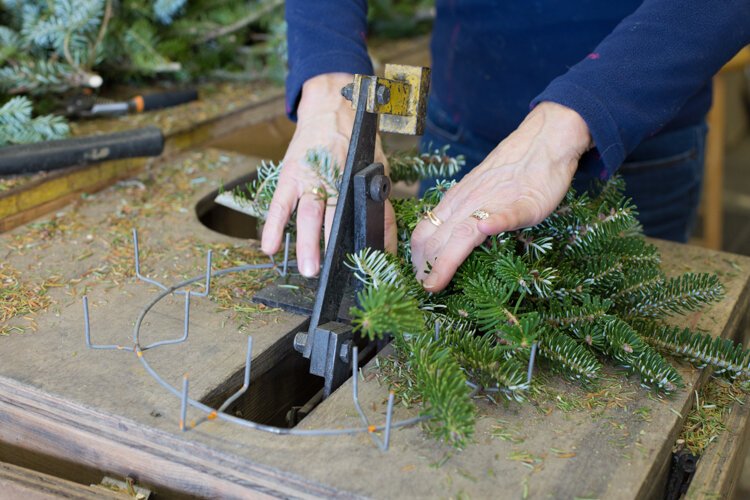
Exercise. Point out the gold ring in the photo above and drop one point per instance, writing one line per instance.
(480, 214)
(318, 192)
(434, 219)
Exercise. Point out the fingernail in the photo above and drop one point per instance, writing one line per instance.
(307, 268)
(431, 280)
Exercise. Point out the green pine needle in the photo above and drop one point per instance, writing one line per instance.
(386, 310)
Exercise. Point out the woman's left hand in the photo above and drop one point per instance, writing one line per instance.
(519, 184)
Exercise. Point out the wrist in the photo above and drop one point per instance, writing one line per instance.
(567, 130)
(323, 92)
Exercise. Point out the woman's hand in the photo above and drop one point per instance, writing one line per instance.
(325, 120)
(519, 184)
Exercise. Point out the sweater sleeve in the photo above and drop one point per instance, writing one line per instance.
(639, 77)
(324, 36)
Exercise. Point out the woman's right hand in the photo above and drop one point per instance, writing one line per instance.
(325, 120)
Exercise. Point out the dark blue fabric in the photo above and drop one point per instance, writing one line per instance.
(631, 68)
(663, 175)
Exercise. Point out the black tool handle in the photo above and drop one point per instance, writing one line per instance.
(164, 99)
(51, 155)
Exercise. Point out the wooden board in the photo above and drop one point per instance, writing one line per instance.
(17, 482)
(720, 468)
(79, 410)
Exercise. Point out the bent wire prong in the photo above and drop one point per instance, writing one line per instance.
(185, 329)
(383, 445)
(246, 380)
(532, 357)
(87, 331)
(138, 274)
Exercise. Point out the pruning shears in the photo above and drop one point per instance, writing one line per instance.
(89, 105)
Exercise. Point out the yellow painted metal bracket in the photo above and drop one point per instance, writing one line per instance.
(400, 98)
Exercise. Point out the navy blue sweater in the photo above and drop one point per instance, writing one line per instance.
(630, 68)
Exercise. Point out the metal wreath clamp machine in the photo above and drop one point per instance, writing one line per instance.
(396, 103)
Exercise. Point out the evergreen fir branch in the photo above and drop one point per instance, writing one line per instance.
(435, 194)
(514, 272)
(636, 283)
(386, 310)
(490, 305)
(140, 41)
(487, 366)
(326, 168)
(447, 327)
(375, 268)
(677, 295)
(18, 127)
(10, 44)
(257, 195)
(166, 10)
(410, 167)
(568, 357)
(655, 371)
(727, 358)
(605, 271)
(565, 313)
(633, 250)
(589, 237)
(610, 194)
(522, 334)
(446, 395)
(572, 283)
(590, 334)
(534, 246)
(36, 77)
(624, 345)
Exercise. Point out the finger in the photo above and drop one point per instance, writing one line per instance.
(279, 212)
(309, 224)
(464, 238)
(425, 239)
(523, 212)
(390, 229)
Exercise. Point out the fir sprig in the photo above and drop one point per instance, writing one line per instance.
(17, 126)
(411, 167)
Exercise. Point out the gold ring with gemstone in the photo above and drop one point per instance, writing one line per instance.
(480, 214)
(434, 219)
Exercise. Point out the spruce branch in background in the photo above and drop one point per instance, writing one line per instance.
(18, 127)
(50, 46)
(54, 47)
(584, 285)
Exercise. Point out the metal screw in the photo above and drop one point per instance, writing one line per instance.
(300, 341)
(380, 187)
(383, 94)
(348, 91)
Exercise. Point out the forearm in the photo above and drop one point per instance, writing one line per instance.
(324, 37)
(638, 78)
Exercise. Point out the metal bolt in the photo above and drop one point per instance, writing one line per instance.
(300, 341)
(380, 187)
(348, 92)
(383, 94)
(345, 351)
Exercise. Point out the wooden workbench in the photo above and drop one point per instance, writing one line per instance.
(79, 413)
